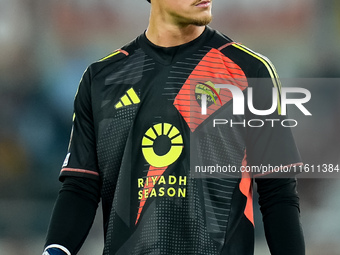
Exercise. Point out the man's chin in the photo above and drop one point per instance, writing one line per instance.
(201, 22)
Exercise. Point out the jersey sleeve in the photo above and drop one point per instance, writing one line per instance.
(270, 143)
(81, 158)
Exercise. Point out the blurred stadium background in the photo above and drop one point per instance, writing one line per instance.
(45, 45)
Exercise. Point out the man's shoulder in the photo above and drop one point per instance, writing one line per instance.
(236, 50)
(247, 59)
(113, 58)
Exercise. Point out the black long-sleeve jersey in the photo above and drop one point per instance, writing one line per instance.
(140, 132)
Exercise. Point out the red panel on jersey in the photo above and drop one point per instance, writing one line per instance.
(214, 68)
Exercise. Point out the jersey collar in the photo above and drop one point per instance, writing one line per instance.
(169, 55)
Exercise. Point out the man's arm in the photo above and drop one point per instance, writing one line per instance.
(73, 214)
(273, 145)
(279, 203)
(78, 198)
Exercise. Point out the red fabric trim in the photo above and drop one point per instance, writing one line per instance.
(79, 171)
(226, 45)
(246, 188)
(124, 52)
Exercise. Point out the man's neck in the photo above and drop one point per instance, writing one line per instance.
(169, 35)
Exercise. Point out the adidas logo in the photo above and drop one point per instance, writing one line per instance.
(129, 98)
